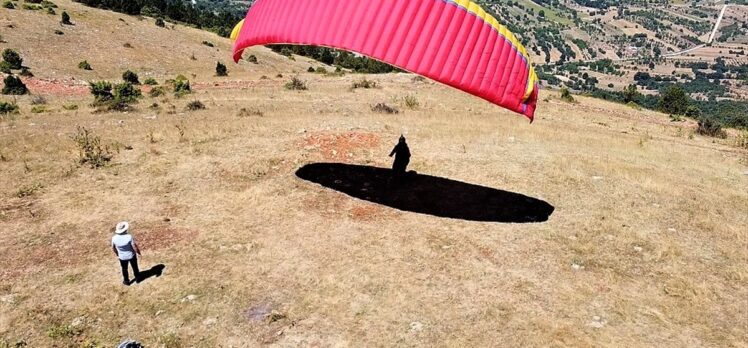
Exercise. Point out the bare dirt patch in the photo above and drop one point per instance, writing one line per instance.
(340, 147)
(61, 87)
(163, 236)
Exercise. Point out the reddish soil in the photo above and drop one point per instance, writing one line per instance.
(69, 87)
(340, 147)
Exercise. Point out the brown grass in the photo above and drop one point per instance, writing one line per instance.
(646, 246)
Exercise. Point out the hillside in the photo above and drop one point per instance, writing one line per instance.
(112, 43)
(599, 225)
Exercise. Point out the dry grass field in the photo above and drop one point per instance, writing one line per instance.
(646, 244)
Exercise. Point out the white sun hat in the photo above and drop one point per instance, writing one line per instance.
(122, 227)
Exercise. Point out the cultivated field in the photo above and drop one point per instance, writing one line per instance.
(645, 244)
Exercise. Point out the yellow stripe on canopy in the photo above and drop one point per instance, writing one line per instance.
(237, 29)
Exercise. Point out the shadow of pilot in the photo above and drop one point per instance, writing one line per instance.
(402, 159)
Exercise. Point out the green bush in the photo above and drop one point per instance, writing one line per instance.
(90, 150)
(14, 86)
(126, 93)
(65, 19)
(131, 77)
(150, 82)
(311, 69)
(182, 88)
(38, 109)
(84, 65)
(221, 69)
(566, 95)
(8, 108)
(101, 90)
(160, 23)
(25, 72)
(8, 4)
(321, 70)
(13, 59)
(674, 100)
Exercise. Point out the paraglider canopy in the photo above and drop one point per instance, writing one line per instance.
(454, 42)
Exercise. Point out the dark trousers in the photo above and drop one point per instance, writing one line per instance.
(134, 263)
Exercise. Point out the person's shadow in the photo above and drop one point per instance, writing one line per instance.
(154, 271)
(427, 194)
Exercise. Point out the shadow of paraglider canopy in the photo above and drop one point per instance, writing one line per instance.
(427, 194)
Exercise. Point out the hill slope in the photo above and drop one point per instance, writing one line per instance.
(645, 246)
(101, 37)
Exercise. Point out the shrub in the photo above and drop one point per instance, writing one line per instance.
(693, 111)
(150, 82)
(27, 191)
(252, 59)
(38, 109)
(566, 95)
(208, 43)
(383, 108)
(131, 77)
(195, 105)
(90, 150)
(25, 72)
(65, 18)
(160, 23)
(674, 100)
(286, 52)
(127, 45)
(182, 88)
(38, 100)
(741, 140)
(221, 69)
(364, 83)
(8, 4)
(14, 86)
(411, 102)
(244, 112)
(126, 93)
(13, 59)
(101, 90)
(311, 69)
(70, 107)
(321, 70)
(634, 106)
(84, 65)
(296, 84)
(156, 92)
(710, 128)
(59, 32)
(8, 108)
(151, 11)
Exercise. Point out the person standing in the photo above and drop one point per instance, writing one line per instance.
(402, 158)
(125, 248)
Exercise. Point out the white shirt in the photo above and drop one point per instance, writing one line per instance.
(124, 244)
